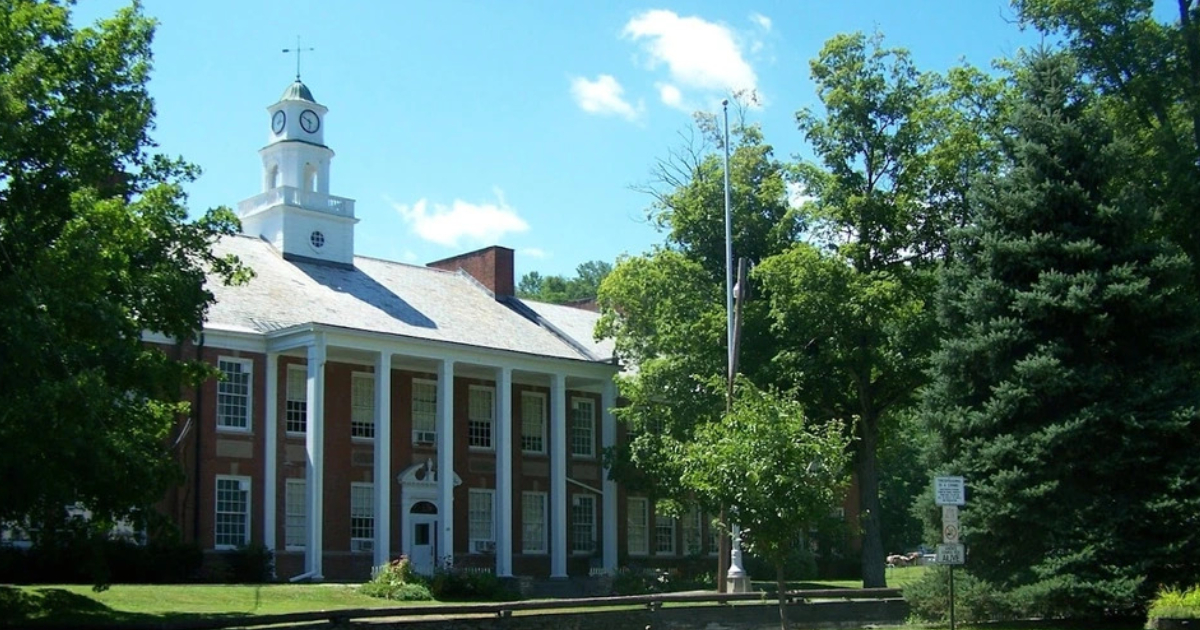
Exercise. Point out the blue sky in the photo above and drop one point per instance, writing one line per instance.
(521, 123)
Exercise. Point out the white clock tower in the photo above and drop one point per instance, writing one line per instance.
(295, 211)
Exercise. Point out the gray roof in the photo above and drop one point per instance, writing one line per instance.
(393, 298)
(297, 91)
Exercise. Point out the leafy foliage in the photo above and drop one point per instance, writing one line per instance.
(561, 290)
(95, 248)
(1066, 384)
(396, 580)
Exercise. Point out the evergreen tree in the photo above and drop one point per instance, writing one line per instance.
(1065, 389)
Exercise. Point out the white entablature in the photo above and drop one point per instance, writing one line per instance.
(295, 212)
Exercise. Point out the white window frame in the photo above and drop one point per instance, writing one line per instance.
(223, 424)
(489, 422)
(632, 525)
(420, 434)
(362, 427)
(476, 498)
(665, 521)
(575, 428)
(531, 542)
(295, 521)
(245, 487)
(576, 502)
(363, 510)
(540, 422)
(693, 533)
(291, 397)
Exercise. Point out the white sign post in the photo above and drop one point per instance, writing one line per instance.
(950, 492)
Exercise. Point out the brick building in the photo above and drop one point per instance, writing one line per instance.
(370, 408)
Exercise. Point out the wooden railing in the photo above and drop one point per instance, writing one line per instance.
(506, 609)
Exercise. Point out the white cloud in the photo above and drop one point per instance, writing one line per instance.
(603, 97)
(462, 221)
(761, 20)
(697, 53)
(797, 196)
(534, 252)
(670, 95)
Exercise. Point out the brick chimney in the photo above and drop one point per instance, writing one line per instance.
(491, 266)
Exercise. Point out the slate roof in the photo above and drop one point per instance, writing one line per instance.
(394, 298)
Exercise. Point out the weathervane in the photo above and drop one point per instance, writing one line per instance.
(298, 50)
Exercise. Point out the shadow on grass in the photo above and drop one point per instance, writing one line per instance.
(56, 607)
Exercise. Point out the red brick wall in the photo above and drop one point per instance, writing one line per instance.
(491, 266)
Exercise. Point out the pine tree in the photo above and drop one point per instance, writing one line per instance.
(1066, 388)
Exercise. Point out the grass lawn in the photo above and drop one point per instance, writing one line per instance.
(143, 603)
(897, 577)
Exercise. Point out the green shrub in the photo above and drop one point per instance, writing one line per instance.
(252, 564)
(463, 584)
(1173, 603)
(397, 581)
(974, 600)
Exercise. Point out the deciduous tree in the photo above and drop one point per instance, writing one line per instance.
(95, 248)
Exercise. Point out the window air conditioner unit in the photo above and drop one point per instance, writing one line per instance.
(362, 545)
(483, 546)
(426, 437)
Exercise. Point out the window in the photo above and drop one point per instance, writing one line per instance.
(583, 427)
(295, 408)
(362, 517)
(295, 535)
(233, 394)
(583, 523)
(424, 412)
(533, 422)
(692, 529)
(664, 535)
(362, 405)
(714, 541)
(637, 521)
(481, 411)
(479, 515)
(533, 522)
(232, 526)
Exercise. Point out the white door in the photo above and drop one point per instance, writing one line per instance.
(424, 541)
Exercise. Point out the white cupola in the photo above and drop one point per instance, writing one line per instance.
(294, 211)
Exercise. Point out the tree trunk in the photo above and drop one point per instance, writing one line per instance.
(781, 587)
(873, 575)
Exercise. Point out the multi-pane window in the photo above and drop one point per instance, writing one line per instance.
(481, 413)
(362, 517)
(232, 527)
(533, 422)
(583, 523)
(424, 412)
(533, 522)
(233, 394)
(693, 543)
(664, 535)
(295, 407)
(295, 534)
(583, 427)
(637, 524)
(479, 517)
(362, 405)
(714, 540)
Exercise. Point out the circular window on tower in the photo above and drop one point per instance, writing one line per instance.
(316, 239)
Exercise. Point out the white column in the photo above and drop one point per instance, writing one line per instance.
(608, 439)
(270, 457)
(383, 458)
(445, 462)
(314, 443)
(558, 476)
(504, 485)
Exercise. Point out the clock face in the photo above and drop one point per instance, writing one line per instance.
(310, 121)
(277, 121)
